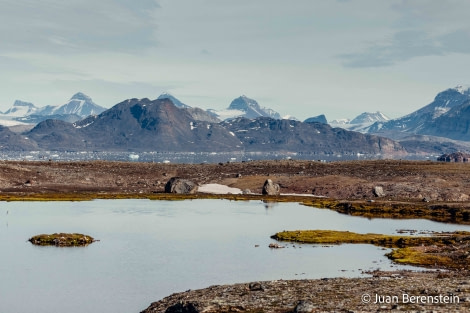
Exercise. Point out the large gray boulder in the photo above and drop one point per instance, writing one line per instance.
(270, 188)
(181, 186)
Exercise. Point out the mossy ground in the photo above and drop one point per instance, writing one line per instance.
(442, 250)
(62, 240)
(457, 214)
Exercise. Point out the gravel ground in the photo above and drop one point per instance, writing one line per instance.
(383, 292)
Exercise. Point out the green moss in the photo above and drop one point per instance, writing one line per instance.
(339, 237)
(418, 256)
(442, 250)
(62, 240)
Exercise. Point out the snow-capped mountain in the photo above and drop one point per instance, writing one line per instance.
(360, 123)
(20, 108)
(78, 107)
(341, 121)
(368, 117)
(80, 104)
(173, 99)
(420, 120)
(245, 107)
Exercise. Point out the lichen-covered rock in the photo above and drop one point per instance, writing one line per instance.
(180, 186)
(270, 188)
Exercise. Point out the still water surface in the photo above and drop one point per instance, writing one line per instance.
(150, 249)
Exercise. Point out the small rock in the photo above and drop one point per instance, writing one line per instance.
(183, 307)
(247, 192)
(239, 175)
(304, 306)
(378, 191)
(255, 287)
(270, 188)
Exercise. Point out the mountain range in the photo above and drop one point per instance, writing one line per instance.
(76, 108)
(168, 125)
(447, 116)
(159, 125)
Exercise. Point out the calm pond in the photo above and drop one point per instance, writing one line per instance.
(150, 249)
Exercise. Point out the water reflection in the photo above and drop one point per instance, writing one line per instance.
(150, 249)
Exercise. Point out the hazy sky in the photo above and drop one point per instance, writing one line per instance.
(298, 57)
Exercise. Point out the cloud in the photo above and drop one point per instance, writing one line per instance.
(54, 26)
(406, 45)
(418, 28)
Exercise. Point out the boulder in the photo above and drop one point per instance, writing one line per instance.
(181, 186)
(270, 188)
(304, 306)
(183, 307)
(378, 191)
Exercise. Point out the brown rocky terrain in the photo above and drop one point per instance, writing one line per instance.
(349, 180)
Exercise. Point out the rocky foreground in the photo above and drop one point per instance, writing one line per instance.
(352, 180)
(383, 292)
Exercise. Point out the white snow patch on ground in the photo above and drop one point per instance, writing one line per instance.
(218, 189)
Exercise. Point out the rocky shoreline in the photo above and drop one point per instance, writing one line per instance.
(382, 292)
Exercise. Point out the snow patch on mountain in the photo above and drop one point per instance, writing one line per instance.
(362, 122)
(245, 107)
(20, 108)
(463, 89)
(80, 104)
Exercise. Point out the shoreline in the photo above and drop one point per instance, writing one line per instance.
(428, 190)
(399, 291)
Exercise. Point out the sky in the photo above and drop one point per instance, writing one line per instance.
(301, 58)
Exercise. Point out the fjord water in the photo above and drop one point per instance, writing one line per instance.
(150, 249)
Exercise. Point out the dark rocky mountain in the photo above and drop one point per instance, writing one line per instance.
(267, 134)
(58, 135)
(158, 125)
(454, 124)
(317, 119)
(11, 141)
(196, 113)
(145, 125)
(423, 121)
(202, 115)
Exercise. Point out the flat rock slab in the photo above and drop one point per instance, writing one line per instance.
(62, 240)
(385, 291)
